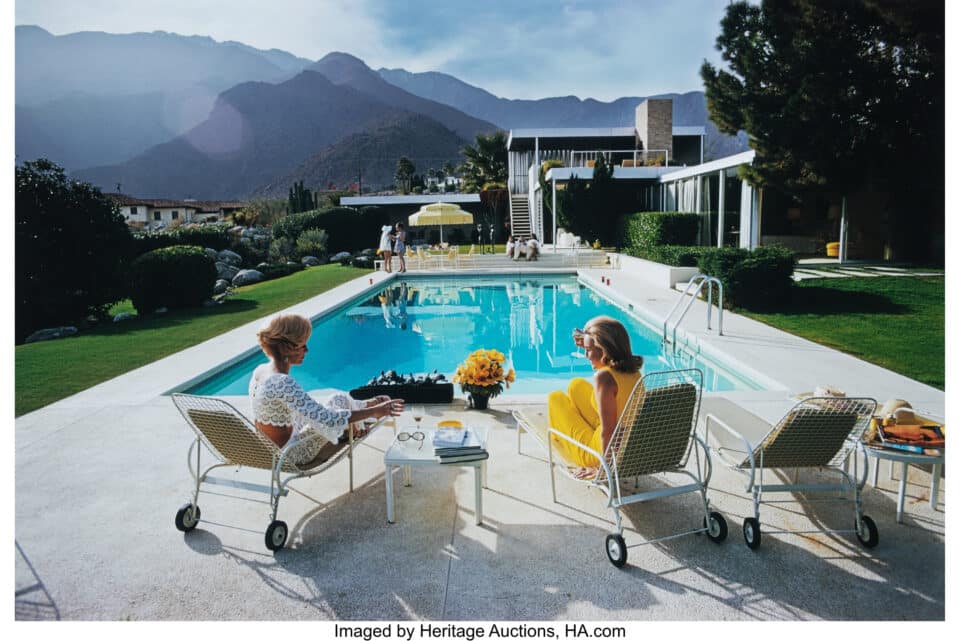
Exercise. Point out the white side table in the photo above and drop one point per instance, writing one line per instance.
(905, 459)
(407, 454)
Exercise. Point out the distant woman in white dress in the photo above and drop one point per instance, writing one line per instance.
(386, 246)
(282, 410)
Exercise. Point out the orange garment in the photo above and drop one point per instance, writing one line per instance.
(575, 413)
(925, 435)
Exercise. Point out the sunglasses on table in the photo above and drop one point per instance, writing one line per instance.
(416, 436)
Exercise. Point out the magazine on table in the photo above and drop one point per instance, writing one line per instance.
(478, 455)
(469, 442)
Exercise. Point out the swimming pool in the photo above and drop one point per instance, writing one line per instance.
(422, 324)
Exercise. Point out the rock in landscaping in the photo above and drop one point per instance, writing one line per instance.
(368, 252)
(50, 333)
(247, 277)
(122, 316)
(229, 257)
(221, 286)
(226, 271)
(362, 261)
(212, 253)
(262, 266)
(336, 258)
(310, 261)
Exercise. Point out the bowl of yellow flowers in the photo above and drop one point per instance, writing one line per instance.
(483, 376)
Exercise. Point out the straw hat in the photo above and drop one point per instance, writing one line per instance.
(899, 409)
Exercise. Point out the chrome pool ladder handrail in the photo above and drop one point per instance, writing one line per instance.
(701, 281)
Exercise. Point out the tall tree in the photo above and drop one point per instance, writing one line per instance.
(485, 162)
(836, 95)
(404, 173)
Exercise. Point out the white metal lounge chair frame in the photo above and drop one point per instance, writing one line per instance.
(653, 457)
(822, 436)
(255, 452)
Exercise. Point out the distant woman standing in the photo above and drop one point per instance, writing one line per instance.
(400, 247)
(386, 246)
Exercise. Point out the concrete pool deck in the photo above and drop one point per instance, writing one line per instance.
(99, 476)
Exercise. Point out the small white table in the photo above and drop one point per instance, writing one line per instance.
(905, 459)
(407, 454)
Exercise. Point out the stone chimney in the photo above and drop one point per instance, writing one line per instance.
(655, 125)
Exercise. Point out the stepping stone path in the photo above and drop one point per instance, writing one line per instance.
(829, 271)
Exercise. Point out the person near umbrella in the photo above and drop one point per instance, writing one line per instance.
(386, 246)
(400, 246)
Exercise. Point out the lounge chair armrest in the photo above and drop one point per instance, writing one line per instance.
(747, 446)
(591, 451)
(708, 463)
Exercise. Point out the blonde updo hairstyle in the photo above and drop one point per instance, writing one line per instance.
(283, 334)
(611, 336)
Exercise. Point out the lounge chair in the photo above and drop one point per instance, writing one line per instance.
(468, 259)
(655, 434)
(234, 441)
(424, 260)
(452, 259)
(817, 433)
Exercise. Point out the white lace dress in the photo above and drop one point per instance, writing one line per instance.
(279, 400)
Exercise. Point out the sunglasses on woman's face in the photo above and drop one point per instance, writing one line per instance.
(416, 436)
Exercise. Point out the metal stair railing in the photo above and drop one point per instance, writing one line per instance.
(700, 281)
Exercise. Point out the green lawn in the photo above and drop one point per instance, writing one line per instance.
(51, 370)
(894, 322)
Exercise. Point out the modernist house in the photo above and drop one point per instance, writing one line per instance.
(156, 213)
(666, 166)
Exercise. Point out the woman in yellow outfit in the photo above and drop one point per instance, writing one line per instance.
(588, 413)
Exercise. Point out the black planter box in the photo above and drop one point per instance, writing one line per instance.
(428, 393)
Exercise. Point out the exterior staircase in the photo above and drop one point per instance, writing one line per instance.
(519, 215)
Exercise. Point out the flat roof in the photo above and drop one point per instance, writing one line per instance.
(410, 199)
(519, 136)
(619, 173)
(743, 158)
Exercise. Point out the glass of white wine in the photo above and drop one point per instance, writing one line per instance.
(417, 413)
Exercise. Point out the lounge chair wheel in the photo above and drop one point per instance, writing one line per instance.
(751, 532)
(867, 532)
(276, 535)
(716, 527)
(187, 517)
(616, 550)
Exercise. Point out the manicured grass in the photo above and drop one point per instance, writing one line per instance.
(51, 370)
(894, 322)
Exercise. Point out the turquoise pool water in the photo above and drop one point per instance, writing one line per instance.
(425, 324)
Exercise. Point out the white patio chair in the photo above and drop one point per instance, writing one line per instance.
(818, 433)
(655, 434)
(234, 441)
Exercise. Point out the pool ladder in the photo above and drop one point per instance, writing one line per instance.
(699, 281)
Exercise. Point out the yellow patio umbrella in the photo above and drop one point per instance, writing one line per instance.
(440, 214)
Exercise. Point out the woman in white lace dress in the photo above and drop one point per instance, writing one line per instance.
(283, 410)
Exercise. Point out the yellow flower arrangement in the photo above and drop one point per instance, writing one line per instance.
(483, 373)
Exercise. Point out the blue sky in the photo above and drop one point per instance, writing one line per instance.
(601, 49)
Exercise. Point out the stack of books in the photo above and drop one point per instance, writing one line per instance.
(458, 445)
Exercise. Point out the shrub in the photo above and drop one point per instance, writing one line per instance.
(281, 250)
(347, 229)
(179, 276)
(251, 254)
(214, 236)
(674, 255)
(280, 270)
(647, 229)
(758, 280)
(312, 242)
(72, 247)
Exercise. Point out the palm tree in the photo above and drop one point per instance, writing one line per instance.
(485, 162)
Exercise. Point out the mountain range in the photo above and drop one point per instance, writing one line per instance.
(184, 116)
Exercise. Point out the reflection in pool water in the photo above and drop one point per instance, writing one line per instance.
(425, 324)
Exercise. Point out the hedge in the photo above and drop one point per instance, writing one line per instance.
(761, 279)
(214, 236)
(283, 269)
(179, 276)
(673, 255)
(647, 229)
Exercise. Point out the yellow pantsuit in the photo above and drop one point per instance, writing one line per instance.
(575, 413)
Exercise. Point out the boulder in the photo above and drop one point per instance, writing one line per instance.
(221, 286)
(369, 252)
(122, 316)
(51, 333)
(336, 258)
(247, 277)
(227, 256)
(310, 261)
(212, 253)
(362, 261)
(226, 271)
(262, 266)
